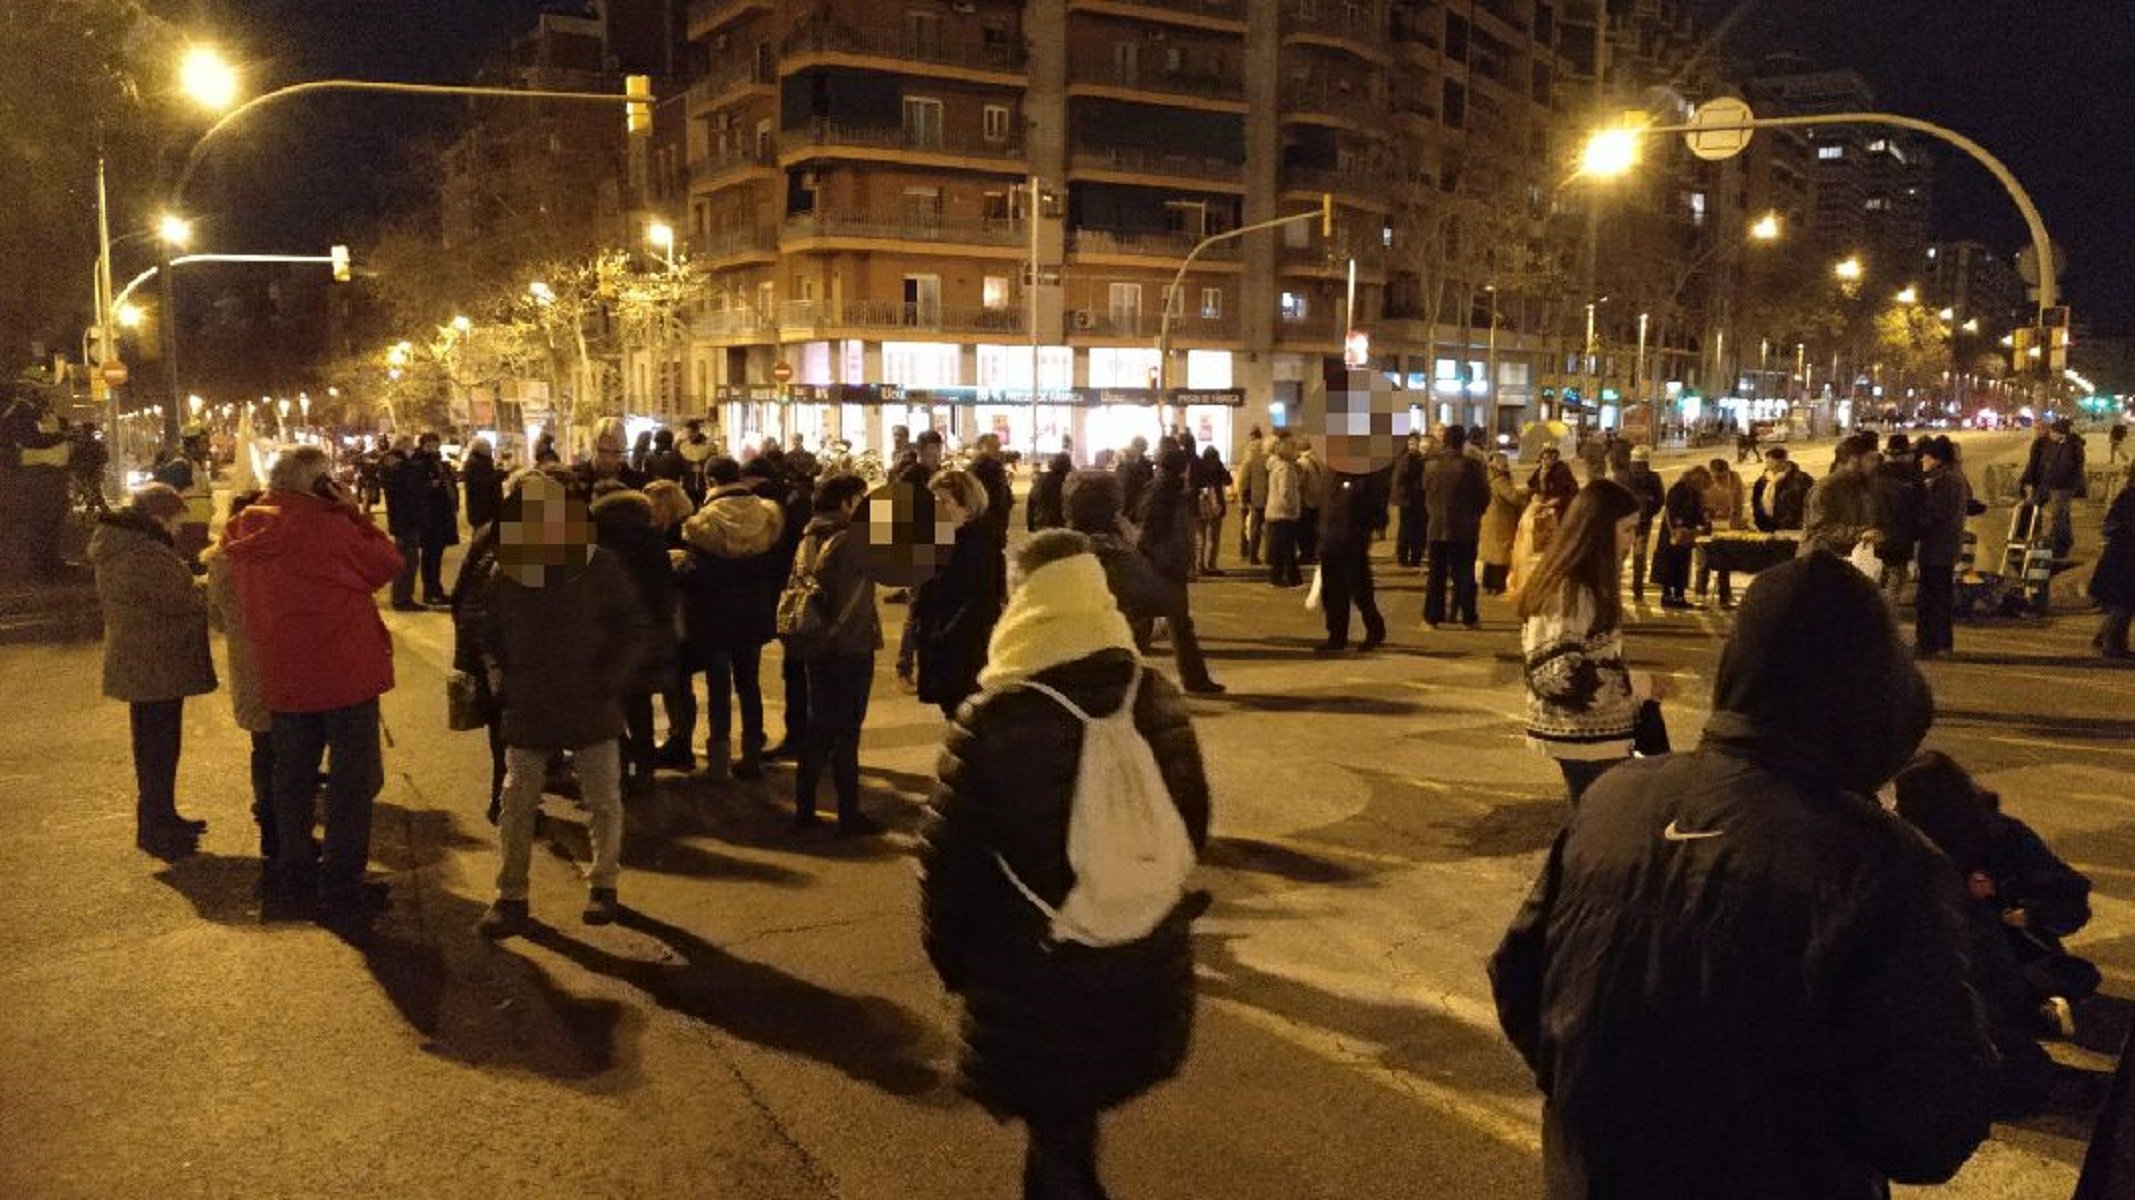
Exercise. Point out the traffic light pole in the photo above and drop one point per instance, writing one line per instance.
(1171, 298)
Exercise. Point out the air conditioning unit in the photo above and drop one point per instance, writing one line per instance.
(1085, 319)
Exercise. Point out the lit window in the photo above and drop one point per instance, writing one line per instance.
(1211, 303)
(1293, 306)
(1878, 146)
(1386, 236)
(994, 293)
(1828, 152)
(1877, 204)
(1697, 208)
(996, 123)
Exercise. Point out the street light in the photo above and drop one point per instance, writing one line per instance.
(1767, 228)
(661, 236)
(207, 79)
(542, 293)
(462, 324)
(175, 231)
(1848, 269)
(1910, 295)
(1609, 153)
(129, 315)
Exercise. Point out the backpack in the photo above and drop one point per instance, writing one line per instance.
(1126, 841)
(804, 618)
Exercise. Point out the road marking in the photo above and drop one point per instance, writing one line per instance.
(1518, 1129)
(2053, 745)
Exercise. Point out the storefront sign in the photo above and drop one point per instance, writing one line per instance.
(889, 393)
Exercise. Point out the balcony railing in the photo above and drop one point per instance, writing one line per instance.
(1155, 79)
(906, 227)
(1226, 10)
(1135, 160)
(721, 82)
(1369, 182)
(1351, 22)
(732, 243)
(905, 44)
(1370, 256)
(712, 166)
(805, 315)
(1337, 98)
(733, 322)
(1151, 245)
(703, 13)
(902, 137)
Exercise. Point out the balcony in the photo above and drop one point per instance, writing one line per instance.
(900, 48)
(1219, 93)
(707, 17)
(733, 325)
(1129, 164)
(934, 147)
(1333, 101)
(725, 247)
(726, 86)
(1366, 186)
(802, 319)
(908, 228)
(1118, 243)
(715, 171)
(1347, 26)
(1226, 15)
(1333, 261)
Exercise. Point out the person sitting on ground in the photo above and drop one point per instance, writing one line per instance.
(1737, 974)
(1055, 1032)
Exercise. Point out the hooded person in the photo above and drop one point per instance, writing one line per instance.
(564, 644)
(730, 581)
(623, 525)
(1737, 974)
(1054, 1034)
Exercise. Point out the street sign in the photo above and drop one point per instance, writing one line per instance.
(782, 373)
(114, 373)
(1709, 137)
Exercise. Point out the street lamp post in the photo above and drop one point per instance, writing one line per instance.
(1325, 215)
(173, 233)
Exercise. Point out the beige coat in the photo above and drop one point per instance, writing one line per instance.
(1501, 521)
(247, 702)
(155, 618)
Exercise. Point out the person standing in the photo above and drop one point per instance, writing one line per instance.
(1898, 491)
(796, 503)
(1644, 483)
(484, 484)
(1724, 500)
(1136, 474)
(695, 449)
(470, 631)
(2113, 580)
(422, 509)
(1285, 507)
(1500, 526)
(1456, 492)
(2116, 442)
(665, 462)
(1055, 1033)
(567, 634)
(840, 662)
(2054, 479)
(1253, 498)
(1946, 499)
(1043, 511)
(1737, 975)
(1840, 509)
(248, 705)
(1312, 497)
(307, 562)
(1212, 489)
(1683, 522)
(623, 527)
(1353, 503)
(1582, 701)
(1410, 536)
(611, 459)
(991, 472)
(155, 653)
(954, 611)
(1780, 497)
(729, 582)
(1167, 542)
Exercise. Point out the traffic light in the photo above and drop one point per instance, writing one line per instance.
(637, 111)
(341, 266)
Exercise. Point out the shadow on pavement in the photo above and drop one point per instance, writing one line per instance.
(2081, 729)
(1267, 858)
(864, 1037)
(1422, 825)
(1341, 704)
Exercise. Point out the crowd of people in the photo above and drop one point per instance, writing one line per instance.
(1828, 1043)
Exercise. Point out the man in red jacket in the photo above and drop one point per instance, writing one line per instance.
(307, 561)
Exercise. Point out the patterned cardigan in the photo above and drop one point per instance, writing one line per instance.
(1581, 699)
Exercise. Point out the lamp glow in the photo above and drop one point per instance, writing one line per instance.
(208, 80)
(1609, 153)
(1848, 269)
(1767, 228)
(174, 230)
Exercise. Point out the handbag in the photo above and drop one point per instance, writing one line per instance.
(1649, 730)
(468, 704)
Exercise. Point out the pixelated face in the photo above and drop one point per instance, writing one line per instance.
(905, 535)
(543, 539)
(1368, 420)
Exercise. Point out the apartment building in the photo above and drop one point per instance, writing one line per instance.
(869, 185)
(1872, 186)
(1976, 284)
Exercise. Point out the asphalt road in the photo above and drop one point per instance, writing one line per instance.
(765, 1025)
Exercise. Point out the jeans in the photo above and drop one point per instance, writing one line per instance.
(600, 781)
(1454, 563)
(736, 671)
(427, 555)
(1934, 609)
(1252, 527)
(1282, 554)
(158, 728)
(1211, 541)
(1409, 539)
(1638, 561)
(300, 740)
(837, 708)
(2061, 534)
(263, 794)
(1345, 581)
(1580, 773)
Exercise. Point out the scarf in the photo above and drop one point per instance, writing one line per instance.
(1063, 612)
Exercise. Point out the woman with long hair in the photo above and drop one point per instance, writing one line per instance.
(1683, 521)
(1582, 701)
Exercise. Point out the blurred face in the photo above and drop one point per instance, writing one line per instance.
(1626, 535)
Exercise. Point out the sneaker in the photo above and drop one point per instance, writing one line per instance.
(503, 919)
(601, 907)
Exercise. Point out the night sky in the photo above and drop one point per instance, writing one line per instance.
(2045, 84)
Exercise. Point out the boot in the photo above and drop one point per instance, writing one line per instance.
(2113, 634)
(750, 766)
(715, 762)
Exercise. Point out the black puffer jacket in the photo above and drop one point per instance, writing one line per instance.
(1059, 1029)
(1738, 976)
(623, 523)
(2113, 580)
(953, 615)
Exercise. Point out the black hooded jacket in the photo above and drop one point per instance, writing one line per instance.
(1738, 976)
